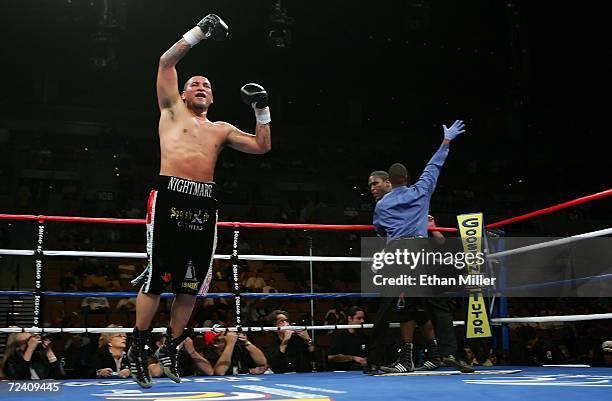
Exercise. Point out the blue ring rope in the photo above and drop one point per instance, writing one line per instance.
(581, 280)
(210, 295)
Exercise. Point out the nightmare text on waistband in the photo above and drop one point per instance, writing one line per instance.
(195, 188)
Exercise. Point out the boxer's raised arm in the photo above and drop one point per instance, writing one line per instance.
(167, 79)
(257, 97)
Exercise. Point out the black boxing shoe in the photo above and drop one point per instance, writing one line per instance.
(432, 358)
(429, 365)
(167, 353)
(460, 365)
(404, 363)
(139, 361)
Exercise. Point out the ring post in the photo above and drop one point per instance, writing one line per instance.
(492, 247)
(236, 275)
(38, 271)
(503, 301)
(312, 322)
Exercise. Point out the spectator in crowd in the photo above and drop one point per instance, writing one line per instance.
(30, 356)
(126, 271)
(269, 287)
(126, 304)
(483, 356)
(77, 355)
(111, 360)
(232, 353)
(289, 351)
(470, 357)
(101, 280)
(606, 347)
(68, 282)
(348, 347)
(255, 283)
(257, 311)
(536, 351)
(336, 314)
(215, 303)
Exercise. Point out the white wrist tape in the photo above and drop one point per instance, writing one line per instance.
(262, 115)
(194, 36)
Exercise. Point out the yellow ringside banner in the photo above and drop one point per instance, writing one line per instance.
(471, 228)
(477, 320)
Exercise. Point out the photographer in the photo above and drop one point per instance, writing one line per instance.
(30, 356)
(290, 351)
(232, 353)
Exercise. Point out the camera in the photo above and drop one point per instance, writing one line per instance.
(39, 347)
(43, 337)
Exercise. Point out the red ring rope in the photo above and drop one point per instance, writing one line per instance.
(564, 205)
(74, 219)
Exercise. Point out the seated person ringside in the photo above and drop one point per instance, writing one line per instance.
(348, 347)
(289, 351)
(111, 360)
(232, 353)
(30, 356)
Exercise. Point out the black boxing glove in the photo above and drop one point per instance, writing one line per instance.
(256, 96)
(214, 27)
(211, 26)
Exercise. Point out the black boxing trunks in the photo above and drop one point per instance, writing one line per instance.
(181, 237)
(410, 309)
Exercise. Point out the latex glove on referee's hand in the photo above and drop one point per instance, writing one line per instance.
(454, 130)
(256, 96)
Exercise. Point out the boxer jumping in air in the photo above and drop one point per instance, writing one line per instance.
(182, 207)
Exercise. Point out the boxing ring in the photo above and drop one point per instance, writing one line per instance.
(546, 384)
(500, 382)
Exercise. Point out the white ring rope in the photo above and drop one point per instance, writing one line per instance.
(560, 241)
(303, 258)
(136, 255)
(533, 319)
(16, 252)
(142, 255)
(546, 319)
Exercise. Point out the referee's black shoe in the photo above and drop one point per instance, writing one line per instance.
(460, 365)
(371, 369)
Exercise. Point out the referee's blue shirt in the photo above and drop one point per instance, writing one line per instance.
(403, 211)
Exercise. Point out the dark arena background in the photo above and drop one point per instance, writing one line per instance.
(353, 87)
